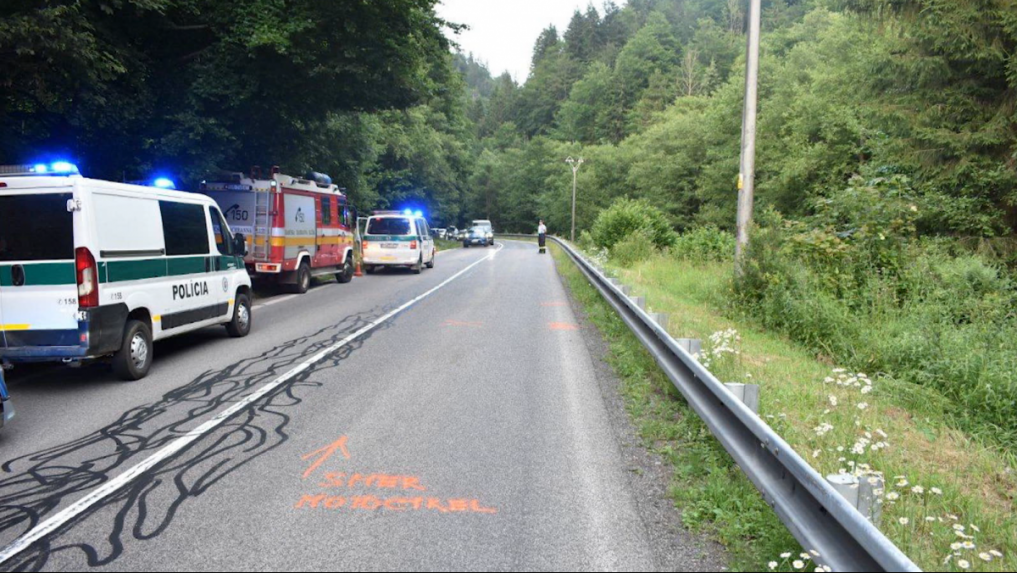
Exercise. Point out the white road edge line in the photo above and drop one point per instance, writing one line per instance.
(109, 488)
(275, 301)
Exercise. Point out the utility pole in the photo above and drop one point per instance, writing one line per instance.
(575, 175)
(747, 177)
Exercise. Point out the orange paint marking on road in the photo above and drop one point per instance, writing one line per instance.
(326, 453)
(461, 324)
(563, 326)
(348, 481)
(553, 304)
(394, 504)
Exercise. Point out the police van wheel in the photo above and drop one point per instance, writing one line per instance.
(434, 256)
(134, 359)
(303, 279)
(240, 326)
(346, 275)
(419, 267)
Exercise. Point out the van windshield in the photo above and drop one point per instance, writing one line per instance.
(389, 226)
(36, 228)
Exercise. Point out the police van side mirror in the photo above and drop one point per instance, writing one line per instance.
(240, 244)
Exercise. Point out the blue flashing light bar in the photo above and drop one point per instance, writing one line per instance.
(164, 183)
(63, 167)
(57, 168)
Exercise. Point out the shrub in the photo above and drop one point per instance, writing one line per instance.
(637, 247)
(705, 245)
(918, 310)
(625, 217)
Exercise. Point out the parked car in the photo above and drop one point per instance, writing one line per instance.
(398, 240)
(477, 236)
(103, 270)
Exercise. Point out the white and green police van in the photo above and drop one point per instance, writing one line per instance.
(94, 270)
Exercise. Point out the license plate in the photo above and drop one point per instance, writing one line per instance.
(390, 245)
(388, 258)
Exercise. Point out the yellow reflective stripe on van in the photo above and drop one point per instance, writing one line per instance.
(14, 327)
(157, 318)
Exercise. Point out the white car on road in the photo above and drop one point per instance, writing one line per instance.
(398, 240)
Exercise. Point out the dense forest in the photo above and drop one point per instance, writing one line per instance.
(921, 91)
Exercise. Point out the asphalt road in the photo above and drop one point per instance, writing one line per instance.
(467, 432)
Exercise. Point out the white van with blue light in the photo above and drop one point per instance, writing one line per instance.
(93, 270)
(394, 239)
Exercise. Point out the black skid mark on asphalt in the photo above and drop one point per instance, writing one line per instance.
(42, 481)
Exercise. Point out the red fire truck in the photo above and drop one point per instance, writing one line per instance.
(296, 227)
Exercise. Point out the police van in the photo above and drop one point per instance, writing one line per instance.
(394, 239)
(93, 270)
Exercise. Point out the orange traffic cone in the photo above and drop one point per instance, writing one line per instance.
(358, 272)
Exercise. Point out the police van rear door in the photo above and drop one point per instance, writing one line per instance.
(38, 281)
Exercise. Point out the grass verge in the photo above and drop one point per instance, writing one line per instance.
(941, 484)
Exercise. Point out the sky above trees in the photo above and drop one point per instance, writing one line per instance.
(502, 32)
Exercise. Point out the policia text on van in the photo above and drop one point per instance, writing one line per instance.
(92, 269)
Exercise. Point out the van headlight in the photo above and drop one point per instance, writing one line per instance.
(490, 235)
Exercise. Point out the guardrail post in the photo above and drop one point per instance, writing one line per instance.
(694, 346)
(748, 394)
(661, 319)
(639, 301)
(870, 502)
(861, 493)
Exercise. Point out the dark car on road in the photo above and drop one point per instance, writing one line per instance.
(478, 236)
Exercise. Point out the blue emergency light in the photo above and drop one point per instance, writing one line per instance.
(164, 183)
(55, 168)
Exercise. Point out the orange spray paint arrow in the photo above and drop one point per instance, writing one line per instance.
(325, 454)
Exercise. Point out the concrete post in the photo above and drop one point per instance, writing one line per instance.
(747, 393)
(694, 346)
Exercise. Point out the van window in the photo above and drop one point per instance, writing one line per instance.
(185, 228)
(221, 232)
(36, 228)
(128, 226)
(388, 226)
(326, 210)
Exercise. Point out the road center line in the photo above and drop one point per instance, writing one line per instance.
(109, 488)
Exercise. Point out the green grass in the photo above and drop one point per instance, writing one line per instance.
(978, 484)
(444, 245)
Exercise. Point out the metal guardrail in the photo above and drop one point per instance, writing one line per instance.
(815, 514)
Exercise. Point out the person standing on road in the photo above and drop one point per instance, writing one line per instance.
(542, 234)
